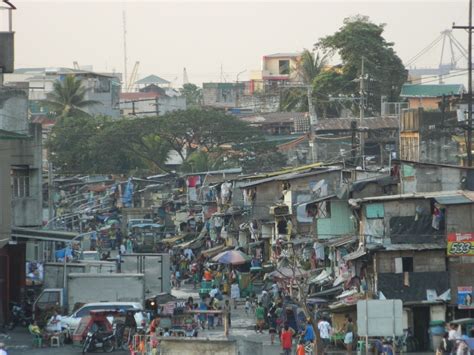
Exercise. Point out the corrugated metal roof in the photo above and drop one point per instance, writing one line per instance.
(283, 55)
(453, 200)
(274, 117)
(436, 90)
(452, 196)
(288, 176)
(344, 124)
(152, 79)
(417, 246)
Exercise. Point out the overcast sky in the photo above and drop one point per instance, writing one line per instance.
(201, 36)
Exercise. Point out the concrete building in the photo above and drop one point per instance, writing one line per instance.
(101, 87)
(141, 104)
(277, 69)
(20, 188)
(430, 96)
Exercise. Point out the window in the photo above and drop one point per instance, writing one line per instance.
(324, 210)
(20, 182)
(404, 264)
(284, 67)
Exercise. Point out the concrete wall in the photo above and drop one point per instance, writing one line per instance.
(430, 178)
(165, 105)
(460, 218)
(13, 110)
(198, 346)
(271, 66)
(28, 211)
(5, 193)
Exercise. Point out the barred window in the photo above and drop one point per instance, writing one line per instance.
(20, 182)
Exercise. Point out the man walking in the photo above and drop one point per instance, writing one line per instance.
(325, 331)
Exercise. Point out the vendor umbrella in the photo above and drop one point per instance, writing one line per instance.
(234, 257)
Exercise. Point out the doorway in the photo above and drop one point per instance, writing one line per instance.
(421, 323)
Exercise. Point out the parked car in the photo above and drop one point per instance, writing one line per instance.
(72, 321)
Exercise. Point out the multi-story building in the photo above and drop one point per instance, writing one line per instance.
(102, 87)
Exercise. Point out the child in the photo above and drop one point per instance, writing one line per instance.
(248, 306)
(300, 348)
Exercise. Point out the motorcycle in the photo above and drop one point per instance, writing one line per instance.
(97, 340)
(18, 316)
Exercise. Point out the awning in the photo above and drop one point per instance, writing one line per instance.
(355, 255)
(214, 251)
(319, 199)
(453, 200)
(328, 292)
(172, 240)
(44, 234)
(341, 241)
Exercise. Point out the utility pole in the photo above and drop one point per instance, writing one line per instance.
(361, 112)
(469, 85)
(313, 120)
(125, 73)
(50, 191)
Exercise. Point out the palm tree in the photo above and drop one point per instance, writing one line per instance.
(67, 97)
(308, 67)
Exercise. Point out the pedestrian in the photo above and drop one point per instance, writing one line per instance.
(122, 249)
(272, 322)
(286, 339)
(300, 348)
(129, 245)
(446, 345)
(178, 278)
(248, 306)
(93, 238)
(203, 316)
(154, 325)
(309, 335)
(2, 349)
(260, 317)
(227, 309)
(234, 294)
(325, 331)
(210, 317)
(112, 237)
(349, 335)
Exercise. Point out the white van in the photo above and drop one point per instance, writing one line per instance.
(73, 320)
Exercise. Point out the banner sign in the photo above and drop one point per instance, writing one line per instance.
(460, 244)
(465, 297)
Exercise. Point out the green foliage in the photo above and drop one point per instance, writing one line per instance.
(78, 145)
(308, 68)
(102, 145)
(68, 98)
(193, 95)
(358, 38)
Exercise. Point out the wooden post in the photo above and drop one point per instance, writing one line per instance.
(226, 323)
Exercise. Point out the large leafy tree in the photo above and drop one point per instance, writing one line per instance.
(193, 95)
(203, 130)
(68, 98)
(360, 38)
(139, 138)
(79, 145)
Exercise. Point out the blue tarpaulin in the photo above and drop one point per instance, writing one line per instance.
(127, 194)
